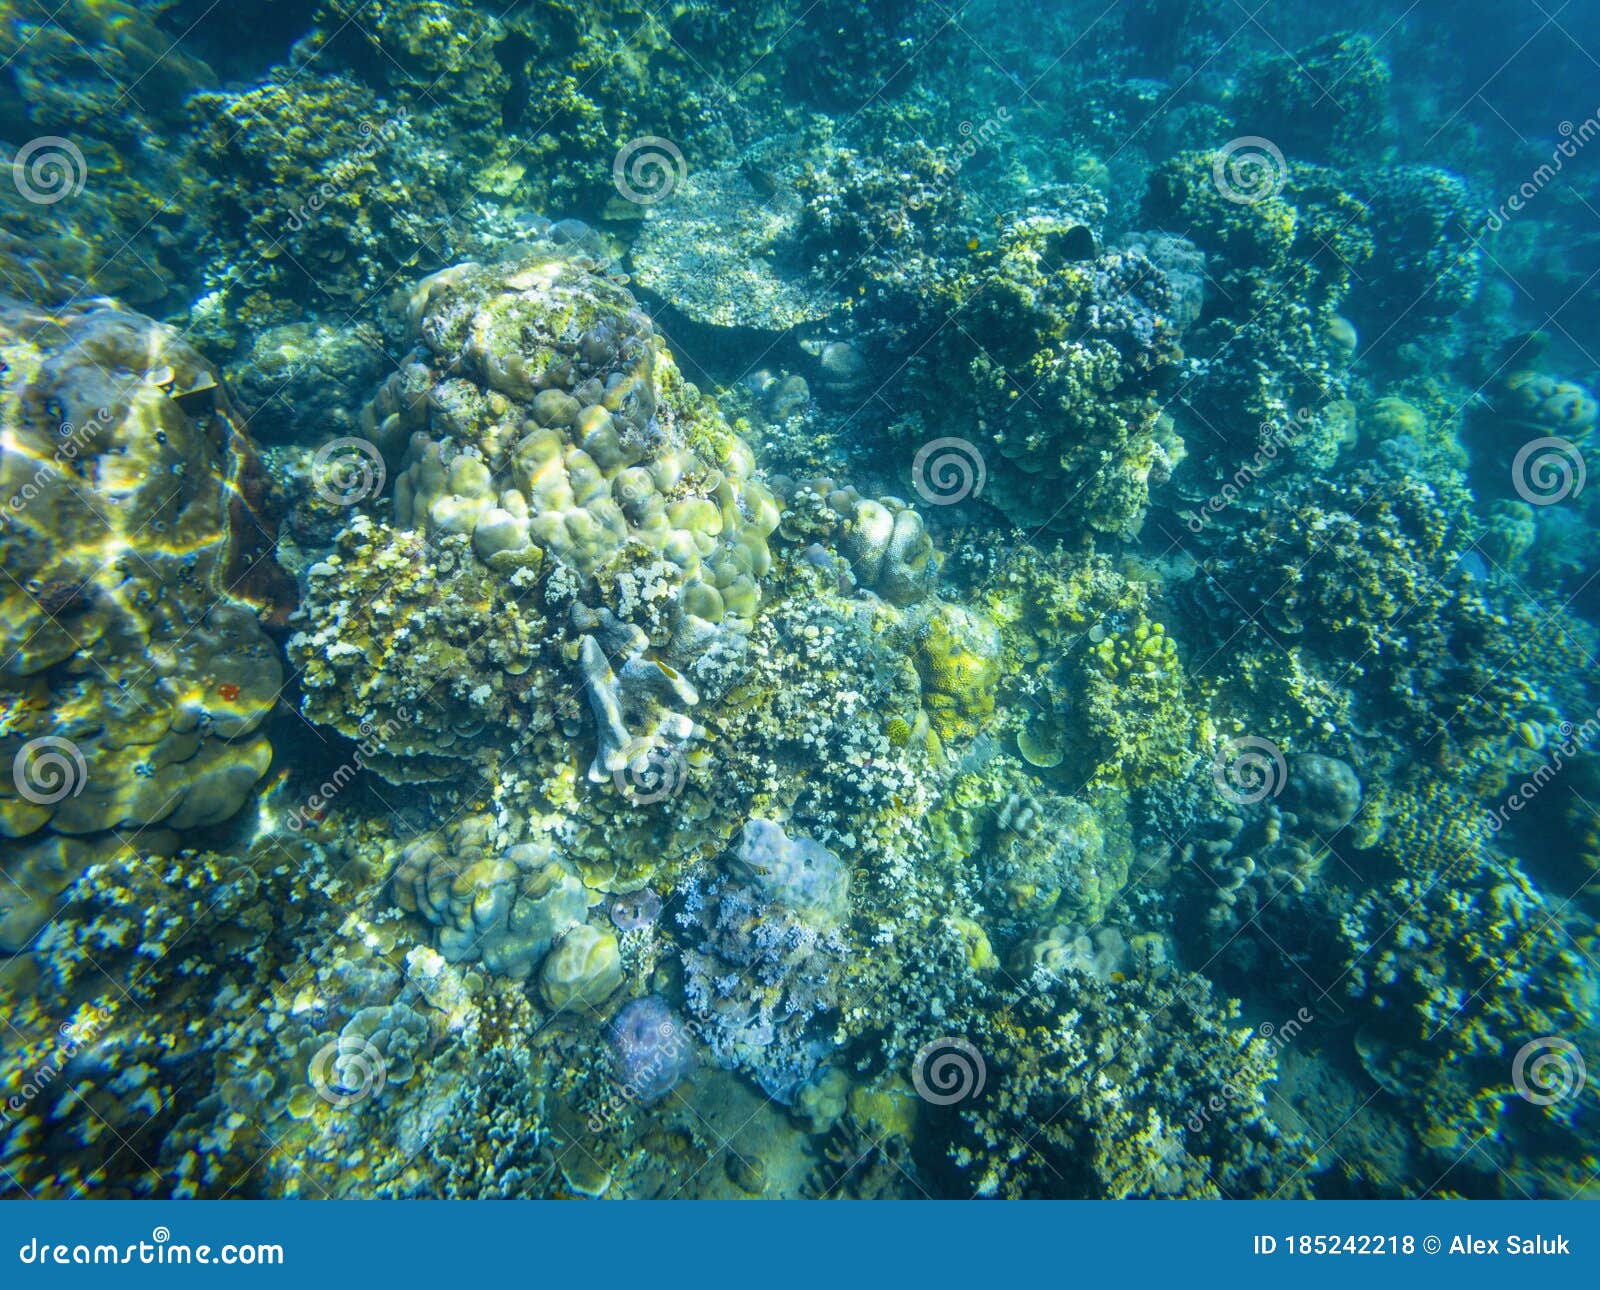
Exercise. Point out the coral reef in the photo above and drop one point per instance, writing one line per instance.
(1327, 102)
(651, 1047)
(1134, 1087)
(328, 195)
(716, 250)
(1453, 978)
(1056, 368)
(760, 982)
(505, 911)
(584, 969)
(795, 872)
(1268, 356)
(837, 600)
(137, 540)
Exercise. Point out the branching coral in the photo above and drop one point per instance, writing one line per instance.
(1455, 975)
(1132, 1087)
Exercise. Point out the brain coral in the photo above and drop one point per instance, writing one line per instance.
(136, 671)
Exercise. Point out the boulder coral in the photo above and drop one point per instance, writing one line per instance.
(137, 541)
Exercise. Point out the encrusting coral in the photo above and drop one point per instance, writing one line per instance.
(137, 539)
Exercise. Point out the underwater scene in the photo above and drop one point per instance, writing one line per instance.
(799, 599)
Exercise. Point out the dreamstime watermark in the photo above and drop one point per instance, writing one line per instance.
(645, 1080)
(1249, 169)
(1573, 140)
(1548, 470)
(373, 738)
(1574, 739)
(948, 1070)
(648, 169)
(949, 470)
(1249, 769)
(74, 440)
(372, 137)
(657, 776)
(1269, 1040)
(1273, 438)
(48, 769)
(159, 1249)
(1548, 1070)
(348, 471)
(347, 1072)
(72, 1038)
(47, 169)
(974, 139)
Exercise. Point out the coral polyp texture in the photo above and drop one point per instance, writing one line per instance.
(788, 599)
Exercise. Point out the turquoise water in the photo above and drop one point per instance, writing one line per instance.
(798, 599)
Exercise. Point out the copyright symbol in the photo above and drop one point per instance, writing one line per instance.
(1430, 1244)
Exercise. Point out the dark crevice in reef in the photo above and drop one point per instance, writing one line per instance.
(240, 41)
(513, 54)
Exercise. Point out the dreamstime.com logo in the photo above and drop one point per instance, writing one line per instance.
(49, 168)
(947, 471)
(656, 777)
(1249, 169)
(348, 471)
(1249, 769)
(1549, 470)
(1548, 1070)
(160, 1249)
(347, 1072)
(948, 1070)
(648, 169)
(48, 769)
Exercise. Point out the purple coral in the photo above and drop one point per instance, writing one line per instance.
(796, 872)
(651, 1047)
(760, 981)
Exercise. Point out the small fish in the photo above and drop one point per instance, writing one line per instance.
(764, 181)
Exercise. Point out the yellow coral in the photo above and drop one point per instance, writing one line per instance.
(957, 654)
(1140, 721)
